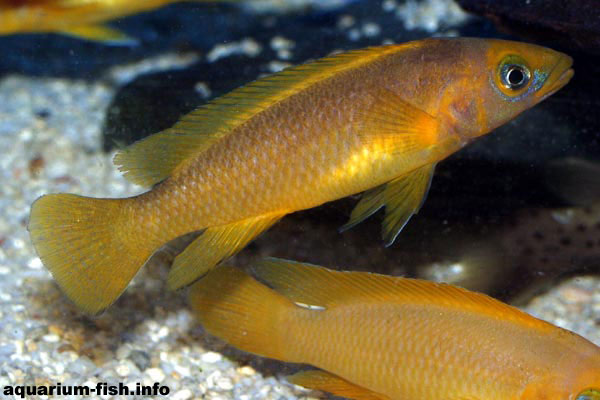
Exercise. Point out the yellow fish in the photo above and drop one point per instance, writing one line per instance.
(380, 337)
(374, 120)
(80, 18)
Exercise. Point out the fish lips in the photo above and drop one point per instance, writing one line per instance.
(560, 75)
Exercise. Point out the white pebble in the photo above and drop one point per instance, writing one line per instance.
(123, 370)
(284, 54)
(281, 43)
(354, 34)
(345, 22)
(183, 394)
(51, 338)
(163, 332)
(182, 370)
(247, 370)
(203, 90)
(371, 29)
(389, 5)
(155, 374)
(211, 357)
(247, 46)
(276, 66)
(123, 351)
(224, 384)
(35, 263)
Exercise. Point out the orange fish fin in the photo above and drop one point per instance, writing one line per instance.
(403, 198)
(153, 159)
(395, 126)
(100, 33)
(327, 382)
(215, 245)
(235, 307)
(370, 202)
(311, 285)
(81, 242)
(304, 284)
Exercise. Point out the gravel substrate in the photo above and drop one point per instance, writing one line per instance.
(50, 141)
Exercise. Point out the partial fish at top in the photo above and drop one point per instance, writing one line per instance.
(79, 18)
(375, 120)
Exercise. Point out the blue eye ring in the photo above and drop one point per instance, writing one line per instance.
(589, 394)
(514, 76)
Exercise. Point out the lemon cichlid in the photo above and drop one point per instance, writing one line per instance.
(380, 337)
(375, 120)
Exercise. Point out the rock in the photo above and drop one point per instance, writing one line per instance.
(140, 358)
(551, 21)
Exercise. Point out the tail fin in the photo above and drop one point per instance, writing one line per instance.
(245, 313)
(81, 242)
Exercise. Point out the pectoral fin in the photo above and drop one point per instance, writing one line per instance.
(401, 197)
(321, 380)
(397, 126)
(216, 244)
(100, 33)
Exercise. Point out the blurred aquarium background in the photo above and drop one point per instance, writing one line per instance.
(515, 215)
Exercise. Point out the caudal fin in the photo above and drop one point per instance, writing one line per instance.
(82, 243)
(245, 313)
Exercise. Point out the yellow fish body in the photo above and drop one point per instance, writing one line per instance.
(374, 120)
(79, 18)
(381, 337)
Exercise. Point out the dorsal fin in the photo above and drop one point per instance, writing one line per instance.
(317, 286)
(154, 158)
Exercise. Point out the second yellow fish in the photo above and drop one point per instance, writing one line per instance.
(375, 120)
(377, 337)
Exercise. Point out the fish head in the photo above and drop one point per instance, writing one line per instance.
(520, 75)
(503, 79)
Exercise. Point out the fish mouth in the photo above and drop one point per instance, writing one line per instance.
(559, 76)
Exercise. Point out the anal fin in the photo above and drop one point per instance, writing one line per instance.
(215, 245)
(100, 33)
(327, 382)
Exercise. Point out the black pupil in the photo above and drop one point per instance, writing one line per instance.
(515, 76)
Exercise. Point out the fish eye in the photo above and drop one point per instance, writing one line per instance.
(514, 76)
(589, 394)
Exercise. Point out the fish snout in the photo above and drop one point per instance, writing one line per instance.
(559, 76)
